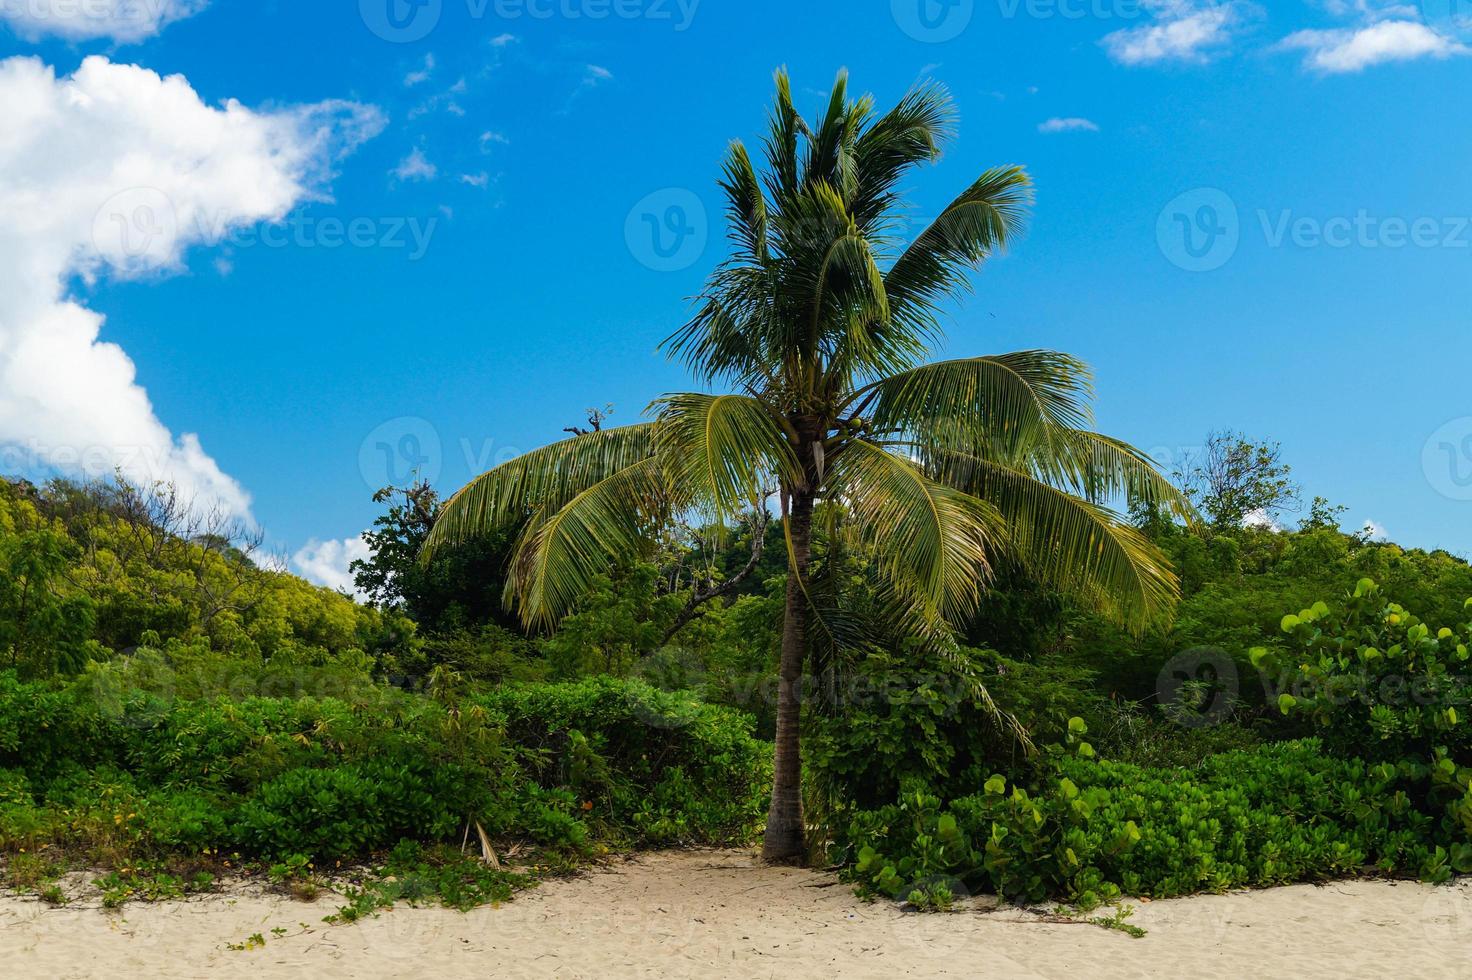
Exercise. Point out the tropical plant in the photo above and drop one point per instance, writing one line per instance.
(817, 324)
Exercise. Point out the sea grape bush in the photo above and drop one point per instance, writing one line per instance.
(1087, 830)
(1379, 683)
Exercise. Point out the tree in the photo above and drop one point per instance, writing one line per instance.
(817, 325)
(1236, 481)
(460, 591)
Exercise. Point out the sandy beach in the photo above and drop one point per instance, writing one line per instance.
(716, 914)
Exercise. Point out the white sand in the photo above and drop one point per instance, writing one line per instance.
(716, 914)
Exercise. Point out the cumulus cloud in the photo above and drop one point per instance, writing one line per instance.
(125, 21)
(1071, 124)
(1335, 52)
(326, 562)
(1180, 31)
(1260, 518)
(116, 171)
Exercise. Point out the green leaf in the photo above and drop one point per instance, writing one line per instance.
(996, 785)
(1286, 702)
(1289, 622)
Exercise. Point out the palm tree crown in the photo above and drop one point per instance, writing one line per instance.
(816, 329)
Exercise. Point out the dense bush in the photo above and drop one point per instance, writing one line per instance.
(659, 765)
(1379, 683)
(939, 724)
(108, 772)
(1086, 830)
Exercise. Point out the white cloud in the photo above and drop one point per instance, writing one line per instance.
(1071, 124)
(115, 171)
(491, 138)
(501, 40)
(326, 562)
(597, 74)
(481, 180)
(126, 21)
(1182, 31)
(1260, 518)
(416, 166)
(1340, 51)
(422, 75)
(1374, 531)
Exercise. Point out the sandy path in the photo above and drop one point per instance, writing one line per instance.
(715, 914)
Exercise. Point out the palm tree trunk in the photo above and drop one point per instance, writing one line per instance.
(785, 841)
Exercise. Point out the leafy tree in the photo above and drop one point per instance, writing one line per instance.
(1235, 480)
(460, 591)
(41, 626)
(818, 323)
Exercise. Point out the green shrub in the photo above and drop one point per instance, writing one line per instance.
(651, 766)
(112, 773)
(1379, 683)
(896, 725)
(1086, 830)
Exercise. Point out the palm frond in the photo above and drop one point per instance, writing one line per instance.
(1102, 468)
(783, 133)
(911, 133)
(982, 221)
(544, 479)
(1009, 401)
(725, 451)
(746, 206)
(932, 541)
(562, 549)
(1066, 541)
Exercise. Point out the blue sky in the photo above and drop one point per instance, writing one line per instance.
(503, 169)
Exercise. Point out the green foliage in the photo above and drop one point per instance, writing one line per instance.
(93, 573)
(459, 592)
(618, 622)
(413, 876)
(1087, 830)
(1382, 684)
(1234, 479)
(897, 723)
(135, 776)
(687, 772)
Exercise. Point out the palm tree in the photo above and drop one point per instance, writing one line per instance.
(815, 328)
